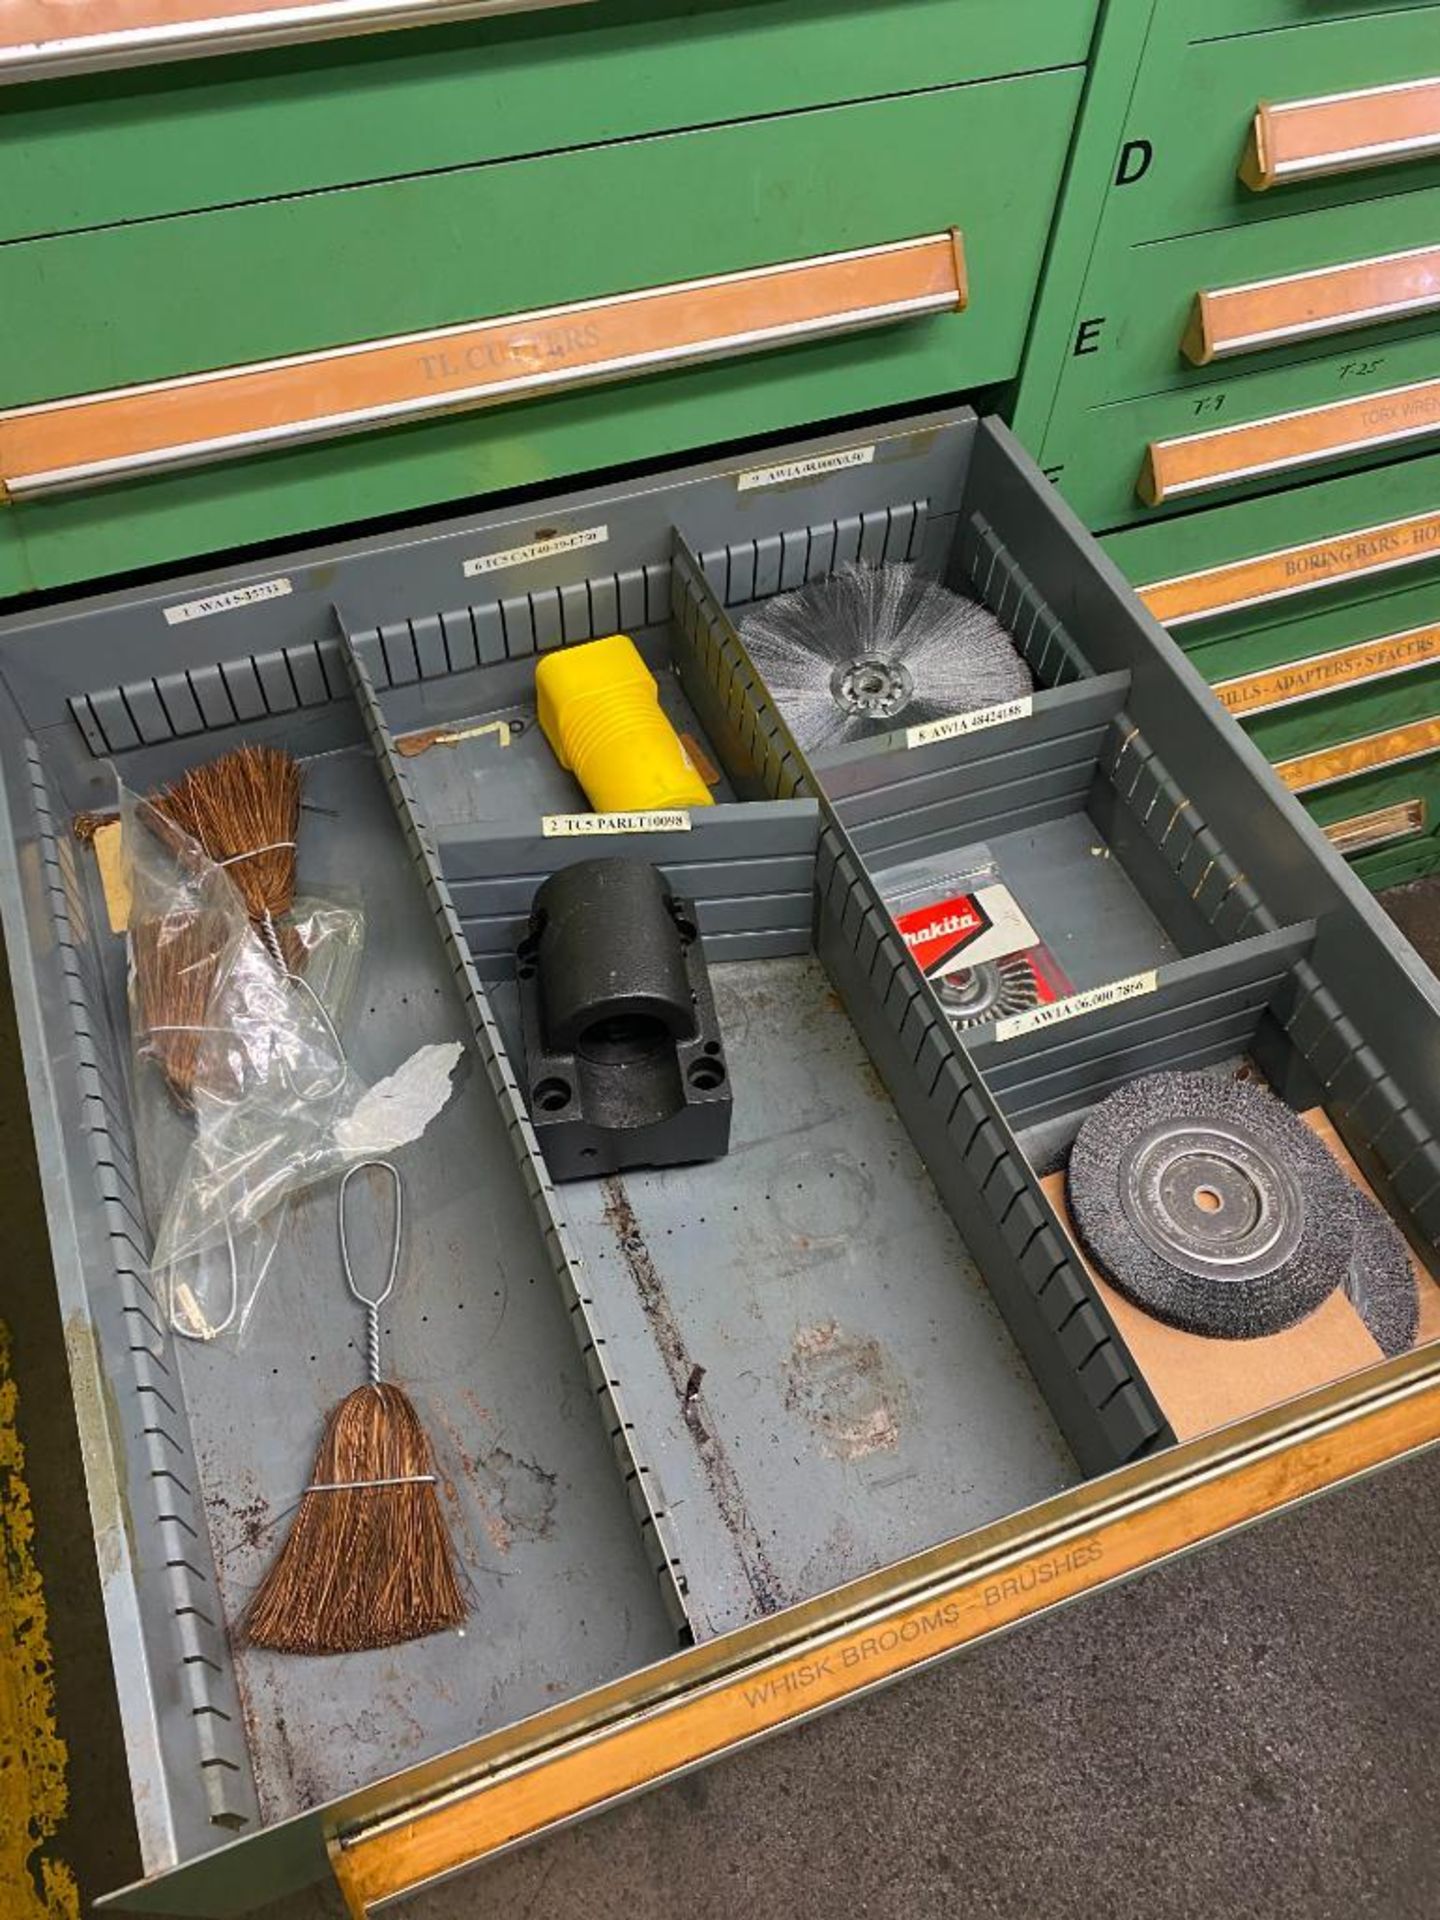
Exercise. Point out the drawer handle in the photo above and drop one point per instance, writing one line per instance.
(1272, 313)
(712, 1699)
(1327, 765)
(1359, 554)
(64, 444)
(1363, 832)
(131, 33)
(1341, 133)
(1322, 673)
(1174, 469)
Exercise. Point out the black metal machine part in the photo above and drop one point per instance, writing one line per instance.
(623, 1053)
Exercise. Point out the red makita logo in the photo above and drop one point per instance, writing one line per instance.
(935, 934)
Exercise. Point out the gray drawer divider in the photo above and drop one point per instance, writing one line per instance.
(641, 1480)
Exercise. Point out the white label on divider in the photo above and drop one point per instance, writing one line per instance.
(810, 469)
(537, 550)
(1134, 988)
(560, 826)
(226, 602)
(958, 723)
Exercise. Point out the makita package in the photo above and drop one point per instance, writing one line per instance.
(970, 937)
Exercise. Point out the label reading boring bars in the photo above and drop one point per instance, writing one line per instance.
(561, 826)
(1131, 988)
(930, 731)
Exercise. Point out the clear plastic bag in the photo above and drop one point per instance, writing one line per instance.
(244, 1095)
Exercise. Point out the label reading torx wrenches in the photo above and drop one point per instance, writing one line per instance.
(561, 826)
(226, 602)
(536, 550)
(930, 731)
(1133, 988)
(810, 469)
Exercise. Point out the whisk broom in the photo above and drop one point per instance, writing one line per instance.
(176, 958)
(369, 1561)
(243, 810)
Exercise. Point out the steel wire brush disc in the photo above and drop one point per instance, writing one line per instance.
(990, 990)
(1381, 1282)
(869, 648)
(1210, 1203)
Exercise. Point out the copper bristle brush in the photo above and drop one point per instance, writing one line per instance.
(176, 958)
(369, 1561)
(243, 811)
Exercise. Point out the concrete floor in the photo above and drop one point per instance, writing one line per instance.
(1248, 1733)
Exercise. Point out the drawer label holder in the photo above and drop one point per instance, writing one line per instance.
(1321, 673)
(706, 1701)
(1253, 582)
(58, 446)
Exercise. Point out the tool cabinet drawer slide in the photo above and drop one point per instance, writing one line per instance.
(51, 448)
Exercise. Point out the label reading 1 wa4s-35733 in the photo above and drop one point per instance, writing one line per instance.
(227, 602)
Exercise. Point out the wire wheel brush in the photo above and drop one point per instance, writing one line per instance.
(1380, 1284)
(990, 990)
(1210, 1203)
(867, 649)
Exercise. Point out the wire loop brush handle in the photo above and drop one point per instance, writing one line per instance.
(371, 1302)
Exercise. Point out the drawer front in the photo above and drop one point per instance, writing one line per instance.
(193, 294)
(1225, 70)
(140, 145)
(1318, 624)
(1201, 304)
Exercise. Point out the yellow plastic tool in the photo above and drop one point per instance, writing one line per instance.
(600, 711)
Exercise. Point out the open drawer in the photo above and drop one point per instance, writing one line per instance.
(721, 1444)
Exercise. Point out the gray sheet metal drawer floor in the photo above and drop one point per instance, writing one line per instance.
(1248, 1733)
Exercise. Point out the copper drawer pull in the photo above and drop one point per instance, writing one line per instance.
(1341, 133)
(39, 41)
(1356, 554)
(1327, 765)
(1321, 673)
(1272, 313)
(1174, 469)
(63, 444)
(1363, 832)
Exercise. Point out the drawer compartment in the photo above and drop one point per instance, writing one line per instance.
(92, 152)
(809, 1394)
(898, 163)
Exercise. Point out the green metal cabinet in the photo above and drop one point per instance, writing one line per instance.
(1189, 457)
(227, 227)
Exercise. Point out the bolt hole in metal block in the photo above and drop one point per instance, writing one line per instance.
(674, 1402)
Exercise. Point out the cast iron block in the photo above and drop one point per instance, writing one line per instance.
(623, 1052)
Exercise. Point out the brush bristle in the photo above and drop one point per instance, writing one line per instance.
(366, 1566)
(1381, 1282)
(176, 958)
(243, 811)
(939, 653)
